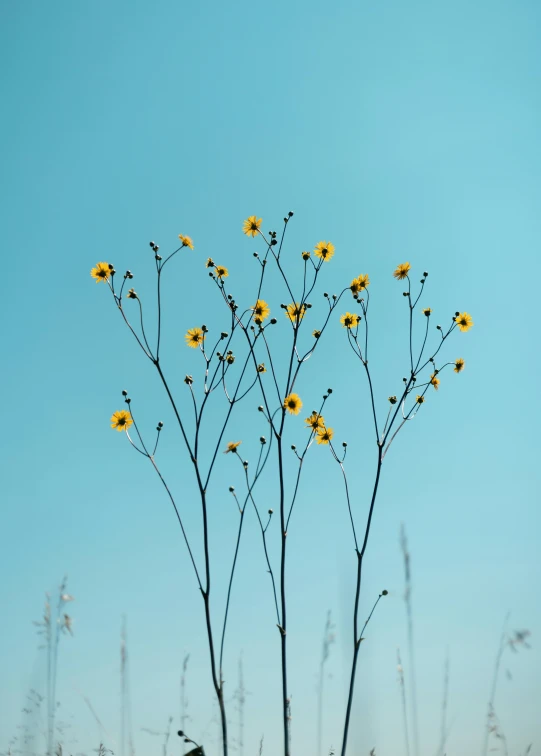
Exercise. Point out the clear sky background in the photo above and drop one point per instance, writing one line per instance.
(399, 131)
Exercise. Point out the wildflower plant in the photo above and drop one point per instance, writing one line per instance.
(241, 363)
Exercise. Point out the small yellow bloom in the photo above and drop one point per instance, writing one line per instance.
(435, 381)
(464, 321)
(221, 272)
(121, 420)
(420, 399)
(324, 435)
(315, 421)
(360, 283)
(316, 334)
(295, 312)
(293, 404)
(350, 320)
(101, 272)
(306, 255)
(261, 311)
(324, 250)
(251, 225)
(209, 263)
(459, 365)
(194, 337)
(232, 447)
(132, 294)
(186, 241)
(402, 271)
(427, 311)
(261, 368)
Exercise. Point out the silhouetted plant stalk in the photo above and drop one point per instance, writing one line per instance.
(125, 708)
(278, 400)
(328, 640)
(512, 642)
(400, 670)
(444, 706)
(183, 699)
(53, 625)
(411, 649)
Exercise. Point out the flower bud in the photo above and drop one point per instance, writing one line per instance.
(124, 392)
(384, 593)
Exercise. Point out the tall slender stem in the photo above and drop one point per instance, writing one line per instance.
(356, 637)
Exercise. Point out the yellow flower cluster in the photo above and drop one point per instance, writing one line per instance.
(251, 225)
(293, 404)
(464, 321)
(360, 283)
(121, 420)
(402, 271)
(186, 241)
(261, 311)
(295, 311)
(101, 272)
(232, 447)
(194, 337)
(324, 250)
(350, 320)
(316, 423)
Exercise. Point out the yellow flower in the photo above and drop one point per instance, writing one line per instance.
(459, 365)
(435, 381)
(293, 404)
(359, 283)
(306, 255)
(350, 320)
(324, 250)
(464, 321)
(315, 421)
(232, 447)
(101, 272)
(295, 312)
(427, 311)
(132, 294)
(324, 435)
(316, 334)
(121, 420)
(402, 271)
(221, 272)
(194, 337)
(209, 263)
(186, 241)
(420, 399)
(261, 311)
(251, 225)
(261, 368)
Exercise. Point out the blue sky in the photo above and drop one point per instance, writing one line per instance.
(398, 131)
